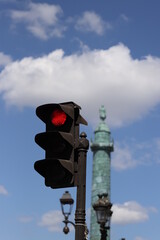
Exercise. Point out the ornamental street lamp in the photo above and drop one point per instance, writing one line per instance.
(103, 213)
(66, 206)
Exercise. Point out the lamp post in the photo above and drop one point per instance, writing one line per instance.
(103, 212)
(81, 231)
(66, 206)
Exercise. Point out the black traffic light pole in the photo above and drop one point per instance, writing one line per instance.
(65, 154)
(80, 221)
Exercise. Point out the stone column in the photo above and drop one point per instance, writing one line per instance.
(101, 147)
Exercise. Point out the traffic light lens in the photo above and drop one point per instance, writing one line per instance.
(58, 117)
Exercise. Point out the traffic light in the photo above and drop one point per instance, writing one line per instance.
(60, 142)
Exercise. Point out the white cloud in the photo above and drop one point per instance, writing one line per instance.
(3, 190)
(124, 17)
(129, 154)
(140, 238)
(92, 22)
(52, 221)
(157, 143)
(25, 219)
(123, 158)
(129, 88)
(129, 212)
(41, 19)
(4, 59)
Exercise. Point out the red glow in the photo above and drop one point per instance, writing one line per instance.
(58, 117)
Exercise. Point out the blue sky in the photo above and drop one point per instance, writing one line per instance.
(93, 53)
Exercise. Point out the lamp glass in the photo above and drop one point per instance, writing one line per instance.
(101, 215)
(66, 204)
(66, 209)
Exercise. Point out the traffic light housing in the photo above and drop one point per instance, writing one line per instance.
(60, 142)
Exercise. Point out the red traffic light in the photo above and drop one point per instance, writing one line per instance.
(60, 142)
(58, 117)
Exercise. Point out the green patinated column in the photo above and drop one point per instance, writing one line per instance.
(101, 147)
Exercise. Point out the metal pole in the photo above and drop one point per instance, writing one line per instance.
(80, 221)
(103, 231)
